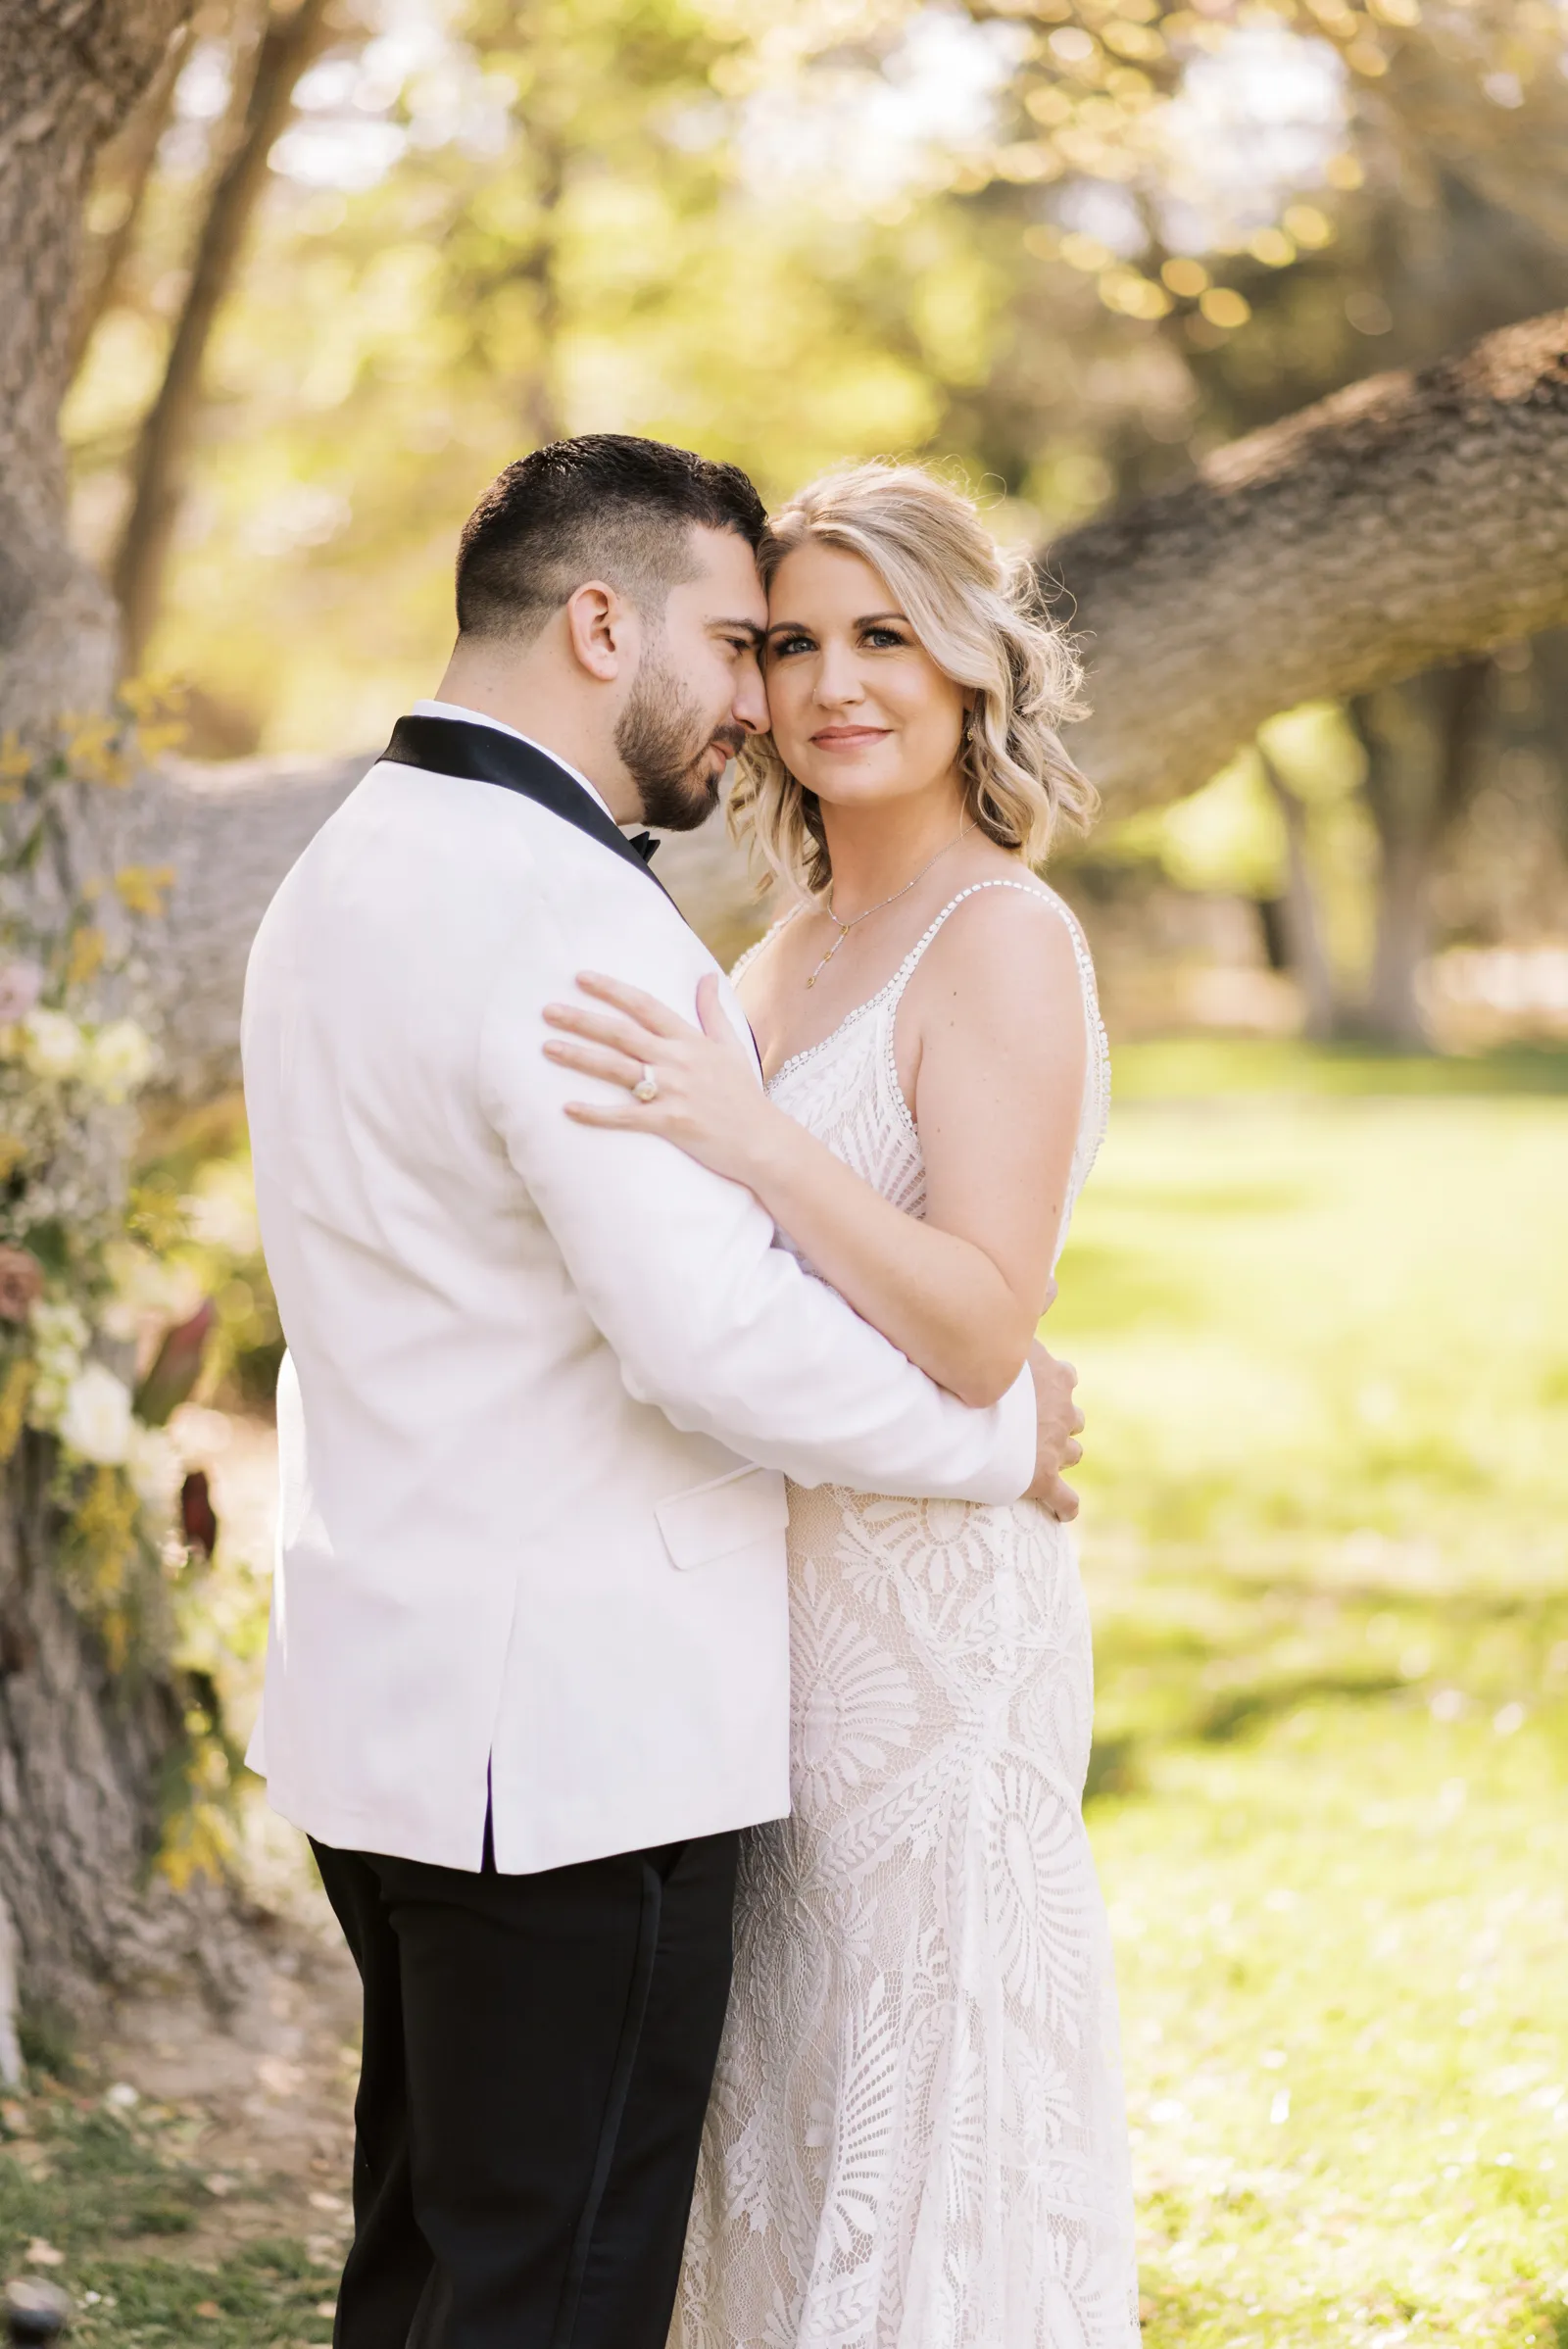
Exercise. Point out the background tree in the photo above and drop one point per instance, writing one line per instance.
(271, 53)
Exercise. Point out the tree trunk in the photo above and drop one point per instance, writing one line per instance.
(285, 49)
(1305, 952)
(82, 1756)
(1421, 740)
(131, 158)
(69, 70)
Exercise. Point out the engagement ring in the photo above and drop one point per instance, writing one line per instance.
(648, 1089)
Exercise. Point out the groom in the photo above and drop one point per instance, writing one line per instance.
(527, 1673)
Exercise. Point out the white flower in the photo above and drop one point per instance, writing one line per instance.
(56, 1326)
(120, 1059)
(46, 1400)
(155, 1469)
(222, 1213)
(52, 1044)
(96, 1422)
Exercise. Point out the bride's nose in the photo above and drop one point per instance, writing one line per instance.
(838, 677)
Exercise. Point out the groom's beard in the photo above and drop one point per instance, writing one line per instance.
(666, 747)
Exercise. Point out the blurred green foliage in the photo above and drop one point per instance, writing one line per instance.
(1069, 246)
(1319, 1304)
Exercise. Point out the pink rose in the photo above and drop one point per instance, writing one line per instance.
(21, 986)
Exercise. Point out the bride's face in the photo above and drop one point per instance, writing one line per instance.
(860, 710)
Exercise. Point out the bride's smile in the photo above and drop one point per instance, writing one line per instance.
(862, 715)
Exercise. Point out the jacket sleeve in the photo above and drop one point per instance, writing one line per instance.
(711, 1319)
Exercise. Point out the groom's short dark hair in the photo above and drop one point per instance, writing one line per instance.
(604, 505)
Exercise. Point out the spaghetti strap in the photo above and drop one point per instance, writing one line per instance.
(1096, 1111)
(1035, 889)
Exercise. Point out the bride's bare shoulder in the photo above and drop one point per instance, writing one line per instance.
(1006, 939)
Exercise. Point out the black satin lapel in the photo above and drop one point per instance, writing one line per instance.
(451, 745)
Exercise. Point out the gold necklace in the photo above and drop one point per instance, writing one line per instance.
(845, 927)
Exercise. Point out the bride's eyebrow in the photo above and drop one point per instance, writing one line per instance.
(869, 620)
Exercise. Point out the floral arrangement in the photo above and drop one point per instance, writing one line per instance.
(87, 1353)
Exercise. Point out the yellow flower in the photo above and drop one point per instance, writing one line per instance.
(14, 1404)
(168, 736)
(141, 888)
(104, 1535)
(199, 1842)
(87, 948)
(152, 695)
(93, 748)
(16, 765)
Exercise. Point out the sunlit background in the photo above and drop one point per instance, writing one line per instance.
(1319, 1289)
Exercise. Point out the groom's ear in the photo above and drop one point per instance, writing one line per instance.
(603, 631)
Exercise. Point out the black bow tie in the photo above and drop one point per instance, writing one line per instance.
(645, 844)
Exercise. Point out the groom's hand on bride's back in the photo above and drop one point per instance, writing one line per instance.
(1057, 1425)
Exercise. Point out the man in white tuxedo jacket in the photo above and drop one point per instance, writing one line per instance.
(527, 1674)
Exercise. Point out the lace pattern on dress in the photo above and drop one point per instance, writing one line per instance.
(916, 2140)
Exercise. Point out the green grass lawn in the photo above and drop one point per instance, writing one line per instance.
(107, 2201)
(1320, 1308)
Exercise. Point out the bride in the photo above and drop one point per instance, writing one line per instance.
(916, 2140)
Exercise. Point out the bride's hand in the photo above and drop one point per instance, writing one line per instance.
(706, 1098)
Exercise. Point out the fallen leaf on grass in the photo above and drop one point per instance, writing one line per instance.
(208, 2308)
(41, 2254)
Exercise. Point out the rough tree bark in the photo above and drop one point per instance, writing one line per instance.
(287, 44)
(1421, 739)
(81, 1753)
(1408, 521)
(70, 71)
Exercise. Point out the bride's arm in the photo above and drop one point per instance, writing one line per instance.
(998, 1023)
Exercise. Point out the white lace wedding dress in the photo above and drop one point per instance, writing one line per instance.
(917, 2138)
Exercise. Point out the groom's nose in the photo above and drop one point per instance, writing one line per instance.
(749, 706)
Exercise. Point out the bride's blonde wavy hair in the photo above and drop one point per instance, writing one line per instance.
(979, 613)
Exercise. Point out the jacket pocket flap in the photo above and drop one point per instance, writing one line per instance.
(731, 1513)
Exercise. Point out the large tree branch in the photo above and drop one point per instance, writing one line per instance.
(1408, 520)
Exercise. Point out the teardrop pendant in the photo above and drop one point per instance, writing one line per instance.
(844, 932)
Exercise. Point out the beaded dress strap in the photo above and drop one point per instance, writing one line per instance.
(1096, 1077)
(900, 978)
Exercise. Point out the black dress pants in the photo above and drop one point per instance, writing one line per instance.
(538, 2054)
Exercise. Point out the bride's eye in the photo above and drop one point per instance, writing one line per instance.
(886, 640)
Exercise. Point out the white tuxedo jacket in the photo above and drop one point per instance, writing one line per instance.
(544, 1382)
